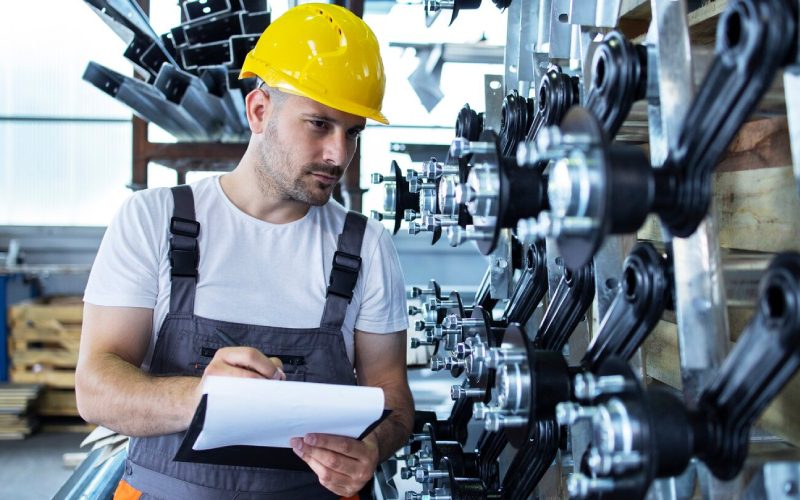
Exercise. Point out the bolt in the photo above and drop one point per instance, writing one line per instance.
(406, 473)
(580, 486)
(463, 350)
(377, 178)
(419, 325)
(450, 321)
(415, 292)
(548, 139)
(480, 410)
(498, 356)
(409, 215)
(496, 421)
(456, 235)
(604, 464)
(425, 475)
(412, 310)
(376, 215)
(432, 169)
(450, 362)
(569, 413)
(462, 147)
(414, 228)
(527, 154)
(415, 343)
(587, 387)
(437, 363)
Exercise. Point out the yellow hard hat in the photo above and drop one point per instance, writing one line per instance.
(323, 52)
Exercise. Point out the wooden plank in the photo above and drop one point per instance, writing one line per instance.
(58, 402)
(63, 379)
(757, 211)
(760, 143)
(703, 22)
(45, 357)
(67, 309)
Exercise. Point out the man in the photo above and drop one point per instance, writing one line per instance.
(230, 275)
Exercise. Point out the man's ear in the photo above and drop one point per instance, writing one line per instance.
(259, 107)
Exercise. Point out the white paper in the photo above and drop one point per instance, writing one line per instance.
(261, 412)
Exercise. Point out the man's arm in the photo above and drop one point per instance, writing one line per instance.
(344, 465)
(114, 392)
(381, 362)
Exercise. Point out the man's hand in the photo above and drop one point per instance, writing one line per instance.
(244, 362)
(343, 465)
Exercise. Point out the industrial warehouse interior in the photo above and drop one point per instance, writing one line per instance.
(400, 249)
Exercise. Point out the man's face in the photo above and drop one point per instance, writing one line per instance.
(305, 148)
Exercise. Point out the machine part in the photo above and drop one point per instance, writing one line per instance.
(556, 94)
(497, 193)
(644, 295)
(483, 297)
(530, 289)
(434, 7)
(146, 102)
(560, 35)
(515, 121)
(619, 78)
(589, 172)
(532, 461)
(398, 197)
(469, 124)
(190, 93)
(750, 50)
(643, 434)
(568, 306)
(145, 48)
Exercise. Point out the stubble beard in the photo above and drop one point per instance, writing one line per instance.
(275, 174)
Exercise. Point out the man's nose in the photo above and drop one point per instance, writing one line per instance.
(338, 150)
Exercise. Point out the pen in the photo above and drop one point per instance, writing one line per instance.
(229, 342)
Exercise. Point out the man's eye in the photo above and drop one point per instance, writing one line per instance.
(322, 125)
(355, 134)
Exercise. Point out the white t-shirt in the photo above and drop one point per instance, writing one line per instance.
(250, 271)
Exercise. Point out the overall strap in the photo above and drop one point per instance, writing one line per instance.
(344, 271)
(184, 253)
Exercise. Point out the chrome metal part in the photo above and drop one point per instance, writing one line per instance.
(523, 17)
(581, 486)
(587, 387)
(699, 284)
(791, 85)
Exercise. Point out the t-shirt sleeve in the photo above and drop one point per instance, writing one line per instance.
(383, 305)
(126, 269)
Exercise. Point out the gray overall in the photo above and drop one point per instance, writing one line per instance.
(186, 344)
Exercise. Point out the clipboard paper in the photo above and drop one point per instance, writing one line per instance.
(248, 422)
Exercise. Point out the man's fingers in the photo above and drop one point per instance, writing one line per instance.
(330, 479)
(277, 362)
(250, 359)
(223, 370)
(344, 445)
(335, 461)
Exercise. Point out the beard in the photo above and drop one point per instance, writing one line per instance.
(276, 174)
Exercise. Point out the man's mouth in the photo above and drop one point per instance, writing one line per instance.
(325, 178)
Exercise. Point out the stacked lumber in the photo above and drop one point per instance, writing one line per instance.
(43, 347)
(17, 405)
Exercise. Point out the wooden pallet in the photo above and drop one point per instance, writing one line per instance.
(50, 377)
(50, 333)
(58, 402)
(67, 310)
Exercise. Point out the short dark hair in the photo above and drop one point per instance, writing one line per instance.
(275, 94)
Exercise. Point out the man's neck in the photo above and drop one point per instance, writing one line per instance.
(249, 194)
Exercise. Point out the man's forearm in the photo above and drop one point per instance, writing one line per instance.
(115, 394)
(393, 433)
